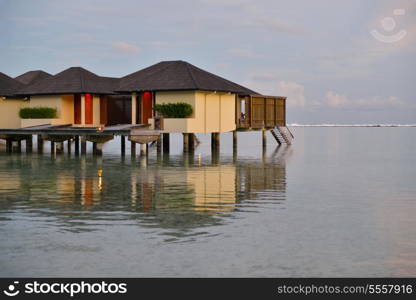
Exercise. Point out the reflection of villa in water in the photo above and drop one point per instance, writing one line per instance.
(201, 191)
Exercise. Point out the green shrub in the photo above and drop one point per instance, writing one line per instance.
(37, 113)
(174, 110)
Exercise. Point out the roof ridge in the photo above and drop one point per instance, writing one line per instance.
(81, 80)
(190, 74)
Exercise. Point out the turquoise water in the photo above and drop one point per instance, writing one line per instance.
(339, 202)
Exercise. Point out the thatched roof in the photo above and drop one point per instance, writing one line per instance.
(75, 80)
(178, 75)
(32, 77)
(8, 85)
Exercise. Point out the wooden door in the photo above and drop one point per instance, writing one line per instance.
(88, 109)
(103, 110)
(77, 109)
(147, 103)
(118, 109)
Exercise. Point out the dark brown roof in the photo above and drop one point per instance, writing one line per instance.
(8, 85)
(178, 75)
(32, 76)
(75, 80)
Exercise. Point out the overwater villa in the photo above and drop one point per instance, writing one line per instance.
(88, 105)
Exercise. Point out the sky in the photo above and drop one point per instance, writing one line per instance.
(343, 62)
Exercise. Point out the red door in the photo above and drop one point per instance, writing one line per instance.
(88, 109)
(147, 99)
(77, 109)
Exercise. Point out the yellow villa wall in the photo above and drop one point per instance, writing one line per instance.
(67, 109)
(213, 112)
(63, 104)
(9, 112)
(96, 110)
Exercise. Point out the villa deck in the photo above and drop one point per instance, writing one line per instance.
(68, 129)
(58, 134)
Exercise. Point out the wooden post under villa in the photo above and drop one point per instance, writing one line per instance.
(191, 142)
(264, 137)
(143, 149)
(40, 143)
(215, 156)
(68, 146)
(215, 141)
(29, 144)
(83, 145)
(52, 148)
(185, 142)
(17, 146)
(9, 146)
(123, 145)
(94, 148)
(76, 140)
(166, 142)
(60, 147)
(99, 148)
(159, 145)
(133, 149)
(235, 140)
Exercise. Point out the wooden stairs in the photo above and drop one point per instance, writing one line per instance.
(282, 135)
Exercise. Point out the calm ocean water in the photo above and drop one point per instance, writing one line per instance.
(339, 202)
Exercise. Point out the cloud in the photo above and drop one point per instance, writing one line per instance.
(273, 25)
(340, 101)
(294, 92)
(242, 52)
(262, 77)
(170, 43)
(125, 48)
(336, 100)
(296, 98)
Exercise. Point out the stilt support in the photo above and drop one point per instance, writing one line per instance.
(94, 148)
(185, 142)
(29, 145)
(83, 145)
(53, 150)
(76, 141)
(40, 144)
(97, 148)
(143, 149)
(235, 140)
(123, 145)
(17, 146)
(9, 144)
(191, 142)
(133, 149)
(166, 142)
(215, 141)
(159, 145)
(60, 147)
(68, 146)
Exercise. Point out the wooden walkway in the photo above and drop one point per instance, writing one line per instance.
(122, 129)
